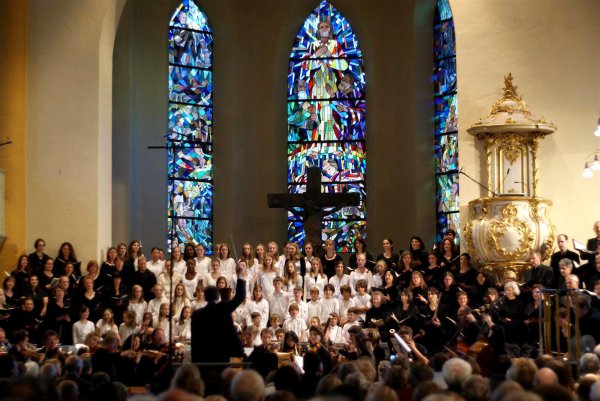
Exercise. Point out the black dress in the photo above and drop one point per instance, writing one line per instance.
(21, 280)
(435, 337)
(408, 317)
(381, 313)
(329, 265)
(117, 300)
(45, 280)
(448, 299)
(392, 261)
(449, 264)
(467, 279)
(433, 276)
(56, 320)
(420, 256)
(59, 266)
(94, 304)
(511, 314)
(35, 263)
(403, 279)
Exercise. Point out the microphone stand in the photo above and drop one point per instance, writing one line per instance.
(461, 171)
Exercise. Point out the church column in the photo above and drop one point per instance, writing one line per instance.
(13, 81)
(69, 113)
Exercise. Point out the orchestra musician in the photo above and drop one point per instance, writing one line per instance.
(21, 350)
(417, 351)
(51, 349)
(264, 356)
(315, 344)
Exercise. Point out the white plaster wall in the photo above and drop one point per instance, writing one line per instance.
(69, 113)
(551, 48)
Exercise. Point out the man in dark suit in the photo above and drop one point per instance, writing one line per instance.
(590, 273)
(562, 253)
(214, 337)
(593, 244)
(539, 273)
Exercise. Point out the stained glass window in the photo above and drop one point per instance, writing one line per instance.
(446, 120)
(189, 139)
(326, 121)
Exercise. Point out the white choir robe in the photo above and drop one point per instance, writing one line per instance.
(337, 283)
(242, 315)
(278, 304)
(314, 309)
(292, 286)
(180, 267)
(183, 331)
(261, 307)
(297, 325)
(335, 334)
(203, 266)
(328, 306)
(347, 327)
(265, 279)
(355, 276)
(157, 267)
(361, 301)
(310, 281)
(344, 306)
(154, 306)
(303, 309)
(377, 281)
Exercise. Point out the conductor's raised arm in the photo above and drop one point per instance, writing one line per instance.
(240, 289)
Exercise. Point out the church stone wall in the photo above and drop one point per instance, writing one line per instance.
(251, 49)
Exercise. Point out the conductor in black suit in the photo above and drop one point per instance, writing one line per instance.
(214, 337)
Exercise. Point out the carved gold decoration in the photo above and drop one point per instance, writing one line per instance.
(468, 235)
(488, 151)
(549, 243)
(535, 205)
(534, 147)
(499, 228)
(512, 147)
(503, 228)
(510, 102)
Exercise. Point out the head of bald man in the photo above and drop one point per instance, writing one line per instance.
(545, 376)
(248, 385)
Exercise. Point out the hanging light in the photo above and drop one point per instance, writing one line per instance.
(597, 132)
(596, 163)
(587, 171)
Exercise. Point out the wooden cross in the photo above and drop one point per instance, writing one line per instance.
(312, 203)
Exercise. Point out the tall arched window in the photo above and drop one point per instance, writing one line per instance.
(446, 120)
(326, 120)
(189, 141)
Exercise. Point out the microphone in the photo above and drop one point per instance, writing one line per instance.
(503, 178)
(477, 182)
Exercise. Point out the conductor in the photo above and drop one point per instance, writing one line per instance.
(214, 337)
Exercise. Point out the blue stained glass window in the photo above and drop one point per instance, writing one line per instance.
(189, 137)
(446, 158)
(326, 121)
(446, 121)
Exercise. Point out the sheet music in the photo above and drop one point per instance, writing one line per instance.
(580, 247)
